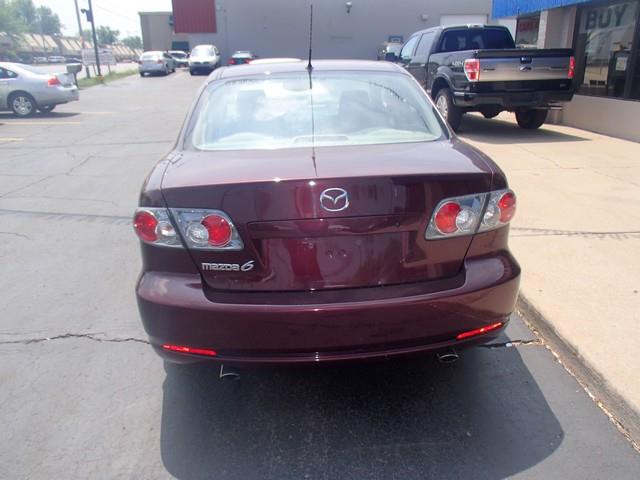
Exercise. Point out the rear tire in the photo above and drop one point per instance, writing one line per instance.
(531, 119)
(451, 113)
(22, 104)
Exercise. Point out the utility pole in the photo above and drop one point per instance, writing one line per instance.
(90, 18)
(81, 34)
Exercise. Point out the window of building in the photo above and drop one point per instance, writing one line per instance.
(604, 44)
(527, 32)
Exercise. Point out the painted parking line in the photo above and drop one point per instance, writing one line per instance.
(10, 139)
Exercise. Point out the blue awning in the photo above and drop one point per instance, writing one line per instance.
(512, 8)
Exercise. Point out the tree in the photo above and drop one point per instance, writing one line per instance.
(107, 36)
(24, 10)
(132, 42)
(49, 21)
(9, 22)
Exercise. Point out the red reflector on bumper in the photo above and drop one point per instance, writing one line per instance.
(478, 331)
(194, 351)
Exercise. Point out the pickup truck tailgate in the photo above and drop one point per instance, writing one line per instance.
(523, 65)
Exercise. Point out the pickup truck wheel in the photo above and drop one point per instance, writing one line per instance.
(451, 113)
(531, 119)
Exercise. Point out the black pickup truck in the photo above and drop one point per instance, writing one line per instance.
(477, 68)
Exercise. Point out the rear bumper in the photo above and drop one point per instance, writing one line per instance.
(175, 310)
(512, 100)
(155, 68)
(202, 67)
(57, 95)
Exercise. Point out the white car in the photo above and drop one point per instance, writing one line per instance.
(204, 58)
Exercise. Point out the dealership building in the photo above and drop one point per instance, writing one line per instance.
(605, 36)
(280, 28)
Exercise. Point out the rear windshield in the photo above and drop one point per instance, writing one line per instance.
(150, 56)
(202, 52)
(332, 109)
(476, 39)
(178, 55)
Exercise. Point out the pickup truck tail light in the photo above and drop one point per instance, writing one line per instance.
(572, 67)
(469, 214)
(200, 229)
(472, 69)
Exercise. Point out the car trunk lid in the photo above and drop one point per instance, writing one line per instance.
(298, 239)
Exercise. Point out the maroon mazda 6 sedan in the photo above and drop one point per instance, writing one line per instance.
(319, 215)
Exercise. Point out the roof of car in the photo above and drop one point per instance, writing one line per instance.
(301, 66)
(460, 25)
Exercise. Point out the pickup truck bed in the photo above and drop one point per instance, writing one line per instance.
(489, 80)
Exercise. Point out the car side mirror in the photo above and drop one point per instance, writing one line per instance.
(390, 57)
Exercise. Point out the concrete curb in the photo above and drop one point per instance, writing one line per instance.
(621, 413)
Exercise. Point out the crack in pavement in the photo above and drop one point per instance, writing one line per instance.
(514, 343)
(16, 234)
(544, 232)
(87, 336)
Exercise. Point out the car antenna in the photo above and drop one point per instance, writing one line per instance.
(309, 66)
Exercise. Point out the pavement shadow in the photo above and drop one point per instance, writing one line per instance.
(480, 129)
(4, 116)
(483, 417)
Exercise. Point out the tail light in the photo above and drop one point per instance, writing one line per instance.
(199, 229)
(154, 226)
(231, 61)
(572, 67)
(468, 214)
(472, 69)
(53, 81)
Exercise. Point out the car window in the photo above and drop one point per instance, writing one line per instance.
(4, 73)
(498, 38)
(285, 112)
(149, 56)
(407, 50)
(424, 47)
(202, 52)
(454, 40)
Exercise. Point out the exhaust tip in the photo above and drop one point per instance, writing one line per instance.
(448, 356)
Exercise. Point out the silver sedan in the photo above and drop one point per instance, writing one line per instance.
(25, 89)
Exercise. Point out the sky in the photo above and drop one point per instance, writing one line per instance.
(118, 14)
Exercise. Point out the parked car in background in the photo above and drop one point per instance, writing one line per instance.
(477, 68)
(25, 89)
(204, 59)
(56, 59)
(40, 60)
(324, 215)
(389, 48)
(181, 58)
(155, 62)
(241, 57)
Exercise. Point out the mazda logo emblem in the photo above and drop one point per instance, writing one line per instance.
(334, 199)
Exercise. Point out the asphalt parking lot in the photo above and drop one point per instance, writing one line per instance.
(83, 396)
